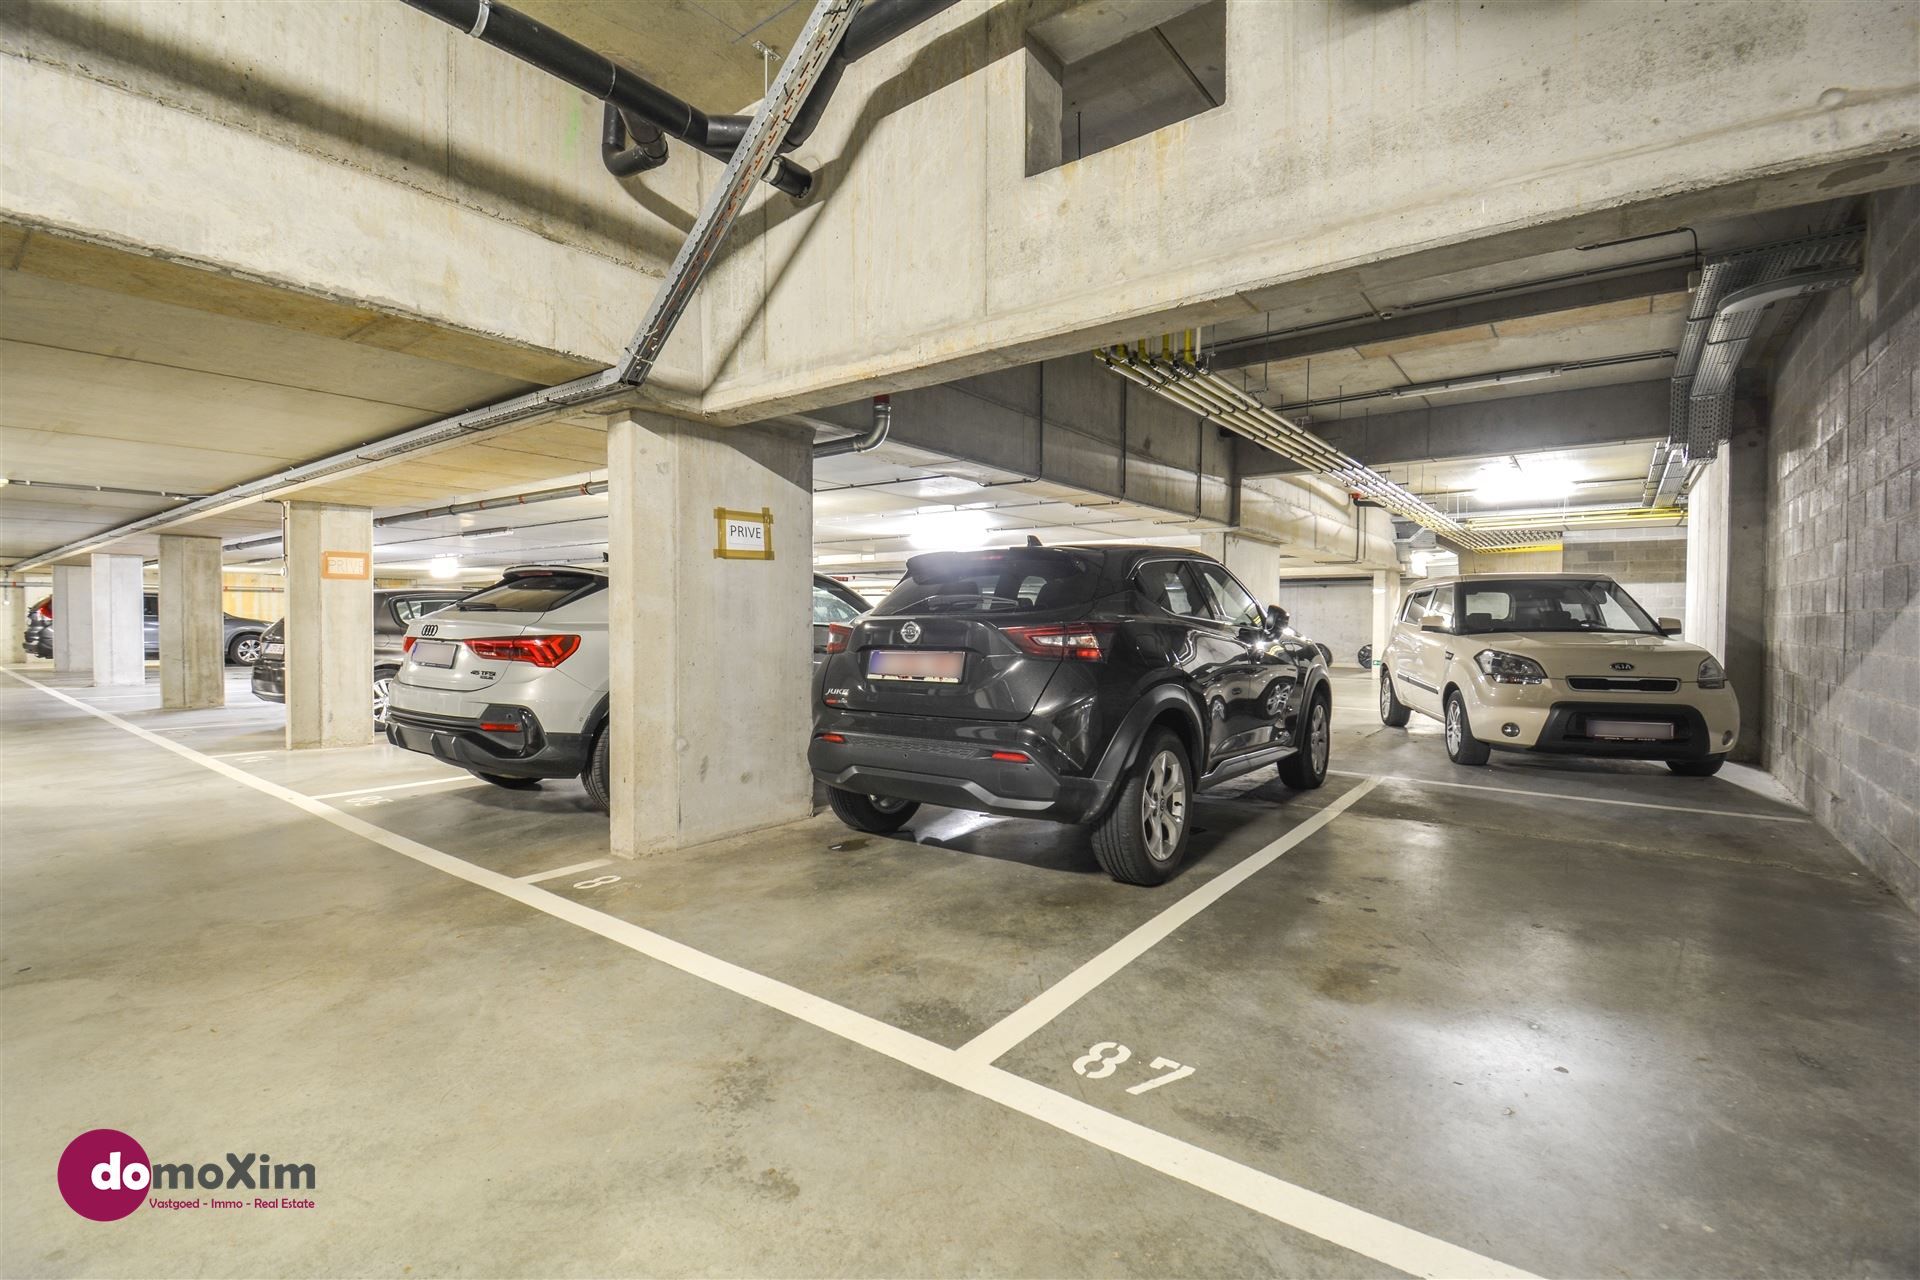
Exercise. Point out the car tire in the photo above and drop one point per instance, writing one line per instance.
(596, 775)
(878, 815)
(1306, 768)
(1143, 837)
(503, 781)
(244, 649)
(382, 683)
(1462, 746)
(1393, 712)
(1705, 767)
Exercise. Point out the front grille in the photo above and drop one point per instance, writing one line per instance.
(1623, 684)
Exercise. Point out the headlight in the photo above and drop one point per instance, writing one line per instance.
(1509, 668)
(1711, 675)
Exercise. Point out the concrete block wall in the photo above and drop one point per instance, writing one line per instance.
(1650, 563)
(1843, 564)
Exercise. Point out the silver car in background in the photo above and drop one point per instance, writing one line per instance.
(510, 684)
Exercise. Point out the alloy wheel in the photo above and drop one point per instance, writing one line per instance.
(382, 697)
(1163, 805)
(247, 650)
(1386, 697)
(1317, 737)
(1454, 731)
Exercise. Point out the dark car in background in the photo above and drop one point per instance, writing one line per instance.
(1096, 685)
(392, 612)
(242, 638)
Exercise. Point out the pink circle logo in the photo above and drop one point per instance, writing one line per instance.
(104, 1175)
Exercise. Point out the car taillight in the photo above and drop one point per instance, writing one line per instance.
(1080, 641)
(541, 651)
(838, 637)
(46, 609)
(831, 737)
(1013, 757)
(406, 646)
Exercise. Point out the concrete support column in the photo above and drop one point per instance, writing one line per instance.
(72, 617)
(14, 599)
(119, 620)
(711, 656)
(329, 630)
(192, 640)
(1727, 570)
(1386, 603)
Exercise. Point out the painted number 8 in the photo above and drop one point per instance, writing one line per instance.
(1107, 1054)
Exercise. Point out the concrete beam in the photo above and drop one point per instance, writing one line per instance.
(1559, 420)
(192, 640)
(705, 743)
(1344, 334)
(1461, 137)
(72, 618)
(119, 620)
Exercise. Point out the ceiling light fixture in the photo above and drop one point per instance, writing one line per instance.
(1535, 481)
(958, 530)
(444, 568)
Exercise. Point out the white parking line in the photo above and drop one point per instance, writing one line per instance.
(1002, 1036)
(557, 872)
(1555, 795)
(1308, 1211)
(459, 780)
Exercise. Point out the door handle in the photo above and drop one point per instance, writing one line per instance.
(1449, 655)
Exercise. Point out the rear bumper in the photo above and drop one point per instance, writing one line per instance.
(269, 680)
(954, 772)
(530, 753)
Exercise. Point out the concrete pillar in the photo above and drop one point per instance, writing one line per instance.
(72, 618)
(14, 598)
(711, 656)
(329, 631)
(1386, 603)
(1727, 569)
(119, 618)
(192, 640)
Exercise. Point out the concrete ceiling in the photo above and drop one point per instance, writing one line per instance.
(1528, 479)
(700, 50)
(1352, 337)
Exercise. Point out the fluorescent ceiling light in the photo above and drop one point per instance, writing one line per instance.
(1513, 378)
(1535, 481)
(949, 530)
(444, 568)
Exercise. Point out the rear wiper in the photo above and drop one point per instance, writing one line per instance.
(469, 607)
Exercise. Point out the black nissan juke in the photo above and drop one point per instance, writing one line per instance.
(1097, 685)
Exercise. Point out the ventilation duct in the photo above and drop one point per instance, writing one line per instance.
(1734, 291)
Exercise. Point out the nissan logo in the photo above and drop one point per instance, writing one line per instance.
(910, 633)
(431, 629)
(1623, 666)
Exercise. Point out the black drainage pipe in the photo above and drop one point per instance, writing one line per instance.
(877, 22)
(648, 149)
(514, 32)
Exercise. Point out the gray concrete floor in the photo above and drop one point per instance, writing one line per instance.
(1674, 1036)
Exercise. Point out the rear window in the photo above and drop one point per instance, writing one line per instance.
(1017, 581)
(533, 593)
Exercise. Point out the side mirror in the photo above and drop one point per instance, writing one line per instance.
(1668, 626)
(1277, 619)
(1433, 622)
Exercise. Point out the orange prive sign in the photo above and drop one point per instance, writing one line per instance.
(345, 564)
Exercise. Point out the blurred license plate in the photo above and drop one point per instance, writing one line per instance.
(920, 666)
(275, 649)
(434, 653)
(1631, 730)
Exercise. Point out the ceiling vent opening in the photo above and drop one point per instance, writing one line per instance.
(1103, 74)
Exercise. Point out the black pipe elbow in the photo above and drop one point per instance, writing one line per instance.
(648, 149)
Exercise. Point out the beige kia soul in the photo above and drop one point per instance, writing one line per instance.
(1564, 663)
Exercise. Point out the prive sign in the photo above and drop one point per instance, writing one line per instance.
(743, 535)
